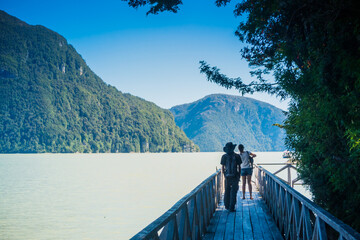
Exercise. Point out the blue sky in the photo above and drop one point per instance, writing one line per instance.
(155, 57)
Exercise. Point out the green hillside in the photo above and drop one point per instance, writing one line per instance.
(51, 101)
(216, 119)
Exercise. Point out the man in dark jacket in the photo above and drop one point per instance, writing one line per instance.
(231, 162)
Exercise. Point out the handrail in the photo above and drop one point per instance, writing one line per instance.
(287, 166)
(190, 216)
(296, 216)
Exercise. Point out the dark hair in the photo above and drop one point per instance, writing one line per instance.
(241, 147)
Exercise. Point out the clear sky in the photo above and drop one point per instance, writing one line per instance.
(155, 57)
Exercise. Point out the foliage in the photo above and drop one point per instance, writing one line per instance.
(312, 48)
(157, 5)
(50, 101)
(216, 119)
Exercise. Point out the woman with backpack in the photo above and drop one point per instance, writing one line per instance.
(246, 169)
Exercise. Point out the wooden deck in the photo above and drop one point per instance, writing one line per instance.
(201, 213)
(252, 220)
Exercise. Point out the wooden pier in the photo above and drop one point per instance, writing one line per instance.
(252, 220)
(277, 212)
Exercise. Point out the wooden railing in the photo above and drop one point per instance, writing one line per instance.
(190, 216)
(295, 215)
(287, 167)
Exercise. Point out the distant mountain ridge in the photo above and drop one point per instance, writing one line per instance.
(218, 118)
(51, 101)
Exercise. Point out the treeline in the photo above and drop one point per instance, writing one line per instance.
(51, 101)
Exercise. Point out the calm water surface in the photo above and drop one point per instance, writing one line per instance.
(96, 196)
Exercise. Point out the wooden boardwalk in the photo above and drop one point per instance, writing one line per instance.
(252, 220)
(201, 213)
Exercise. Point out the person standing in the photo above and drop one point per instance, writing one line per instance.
(246, 169)
(230, 162)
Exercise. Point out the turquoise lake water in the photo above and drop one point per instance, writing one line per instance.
(97, 196)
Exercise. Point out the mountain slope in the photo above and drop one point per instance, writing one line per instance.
(216, 119)
(51, 101)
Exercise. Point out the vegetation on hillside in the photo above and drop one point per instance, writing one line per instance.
(51, 101)
(312, 48)
(216, 119)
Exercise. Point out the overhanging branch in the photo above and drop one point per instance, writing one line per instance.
(213, 74)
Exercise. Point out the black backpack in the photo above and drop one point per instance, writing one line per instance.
(230, 166)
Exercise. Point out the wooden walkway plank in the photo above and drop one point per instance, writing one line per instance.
(248, 233)
(211, 229)
(275, 232)
(265, 228)
(230, 226)
(220, 230)
(255, 222)
(239, 232)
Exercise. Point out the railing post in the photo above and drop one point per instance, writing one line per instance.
(289, 174)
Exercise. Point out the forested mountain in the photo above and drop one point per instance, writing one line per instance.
(216, 119)
(51, 101)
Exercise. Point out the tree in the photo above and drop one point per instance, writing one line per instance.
(312, 49)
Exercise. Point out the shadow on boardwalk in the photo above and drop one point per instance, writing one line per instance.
(252, 220)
